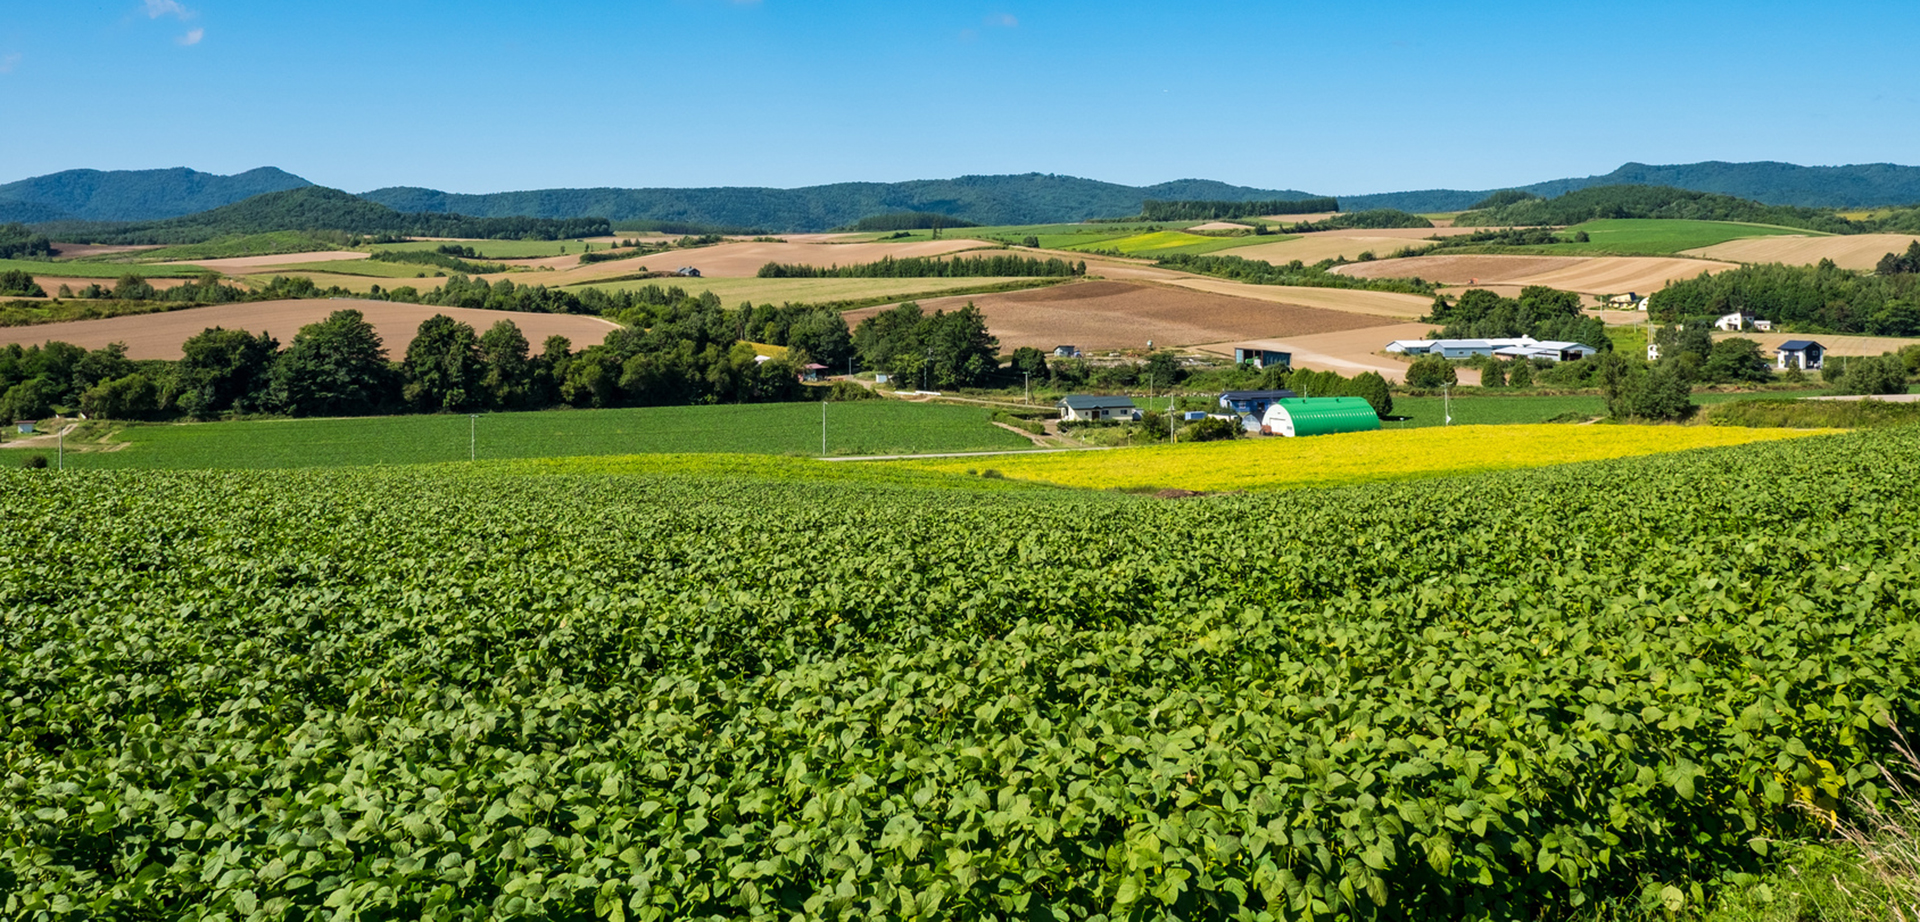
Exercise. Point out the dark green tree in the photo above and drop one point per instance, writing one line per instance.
(506, 375)
(1736, 361)
(1374, 387)
(337, 367)
(223, 370)
(1874, 375)
(20, 283)
(1522, 375)
(1657, 392)
(442, 368)
(1493, 374)
(1431, 372)
(822, 336)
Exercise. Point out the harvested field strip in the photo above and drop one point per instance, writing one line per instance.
(1586, 274)
(1162, 243)
(158, 336)
(1861, 252)
(1113, 314)
(858, 428)
(820, 291)
(1312, 248)
(1272, 463)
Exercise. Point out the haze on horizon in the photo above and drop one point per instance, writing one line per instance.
(1323, 97)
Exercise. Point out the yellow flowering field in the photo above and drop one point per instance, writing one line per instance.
(1359, 457)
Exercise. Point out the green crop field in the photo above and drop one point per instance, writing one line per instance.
(270, 244)
(1659, 237)
(1167, 242)
(863, 427)
(1485, 409)
(95, 270)
(365, 268)
(622, 689)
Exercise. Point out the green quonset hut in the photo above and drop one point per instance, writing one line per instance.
(1294, 416)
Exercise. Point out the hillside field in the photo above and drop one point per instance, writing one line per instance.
(669, 690)
(858, 428)
(1860, 251)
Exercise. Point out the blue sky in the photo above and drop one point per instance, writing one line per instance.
(1335, 97)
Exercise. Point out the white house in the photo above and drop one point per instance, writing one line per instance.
(1083, 407)
(1800, 353)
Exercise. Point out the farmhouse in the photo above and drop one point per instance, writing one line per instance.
(1734, 322)
(1550, 350)
(1800, 353)
(1084, 407)
(688, 271)
(1261, 357)
(1252, 403)
(1299, 416)
(1065, 352)
(1625, 301)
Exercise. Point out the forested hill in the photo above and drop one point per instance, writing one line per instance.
(1030, 198)
(319, 209)
(1767, 182)
(134, 195)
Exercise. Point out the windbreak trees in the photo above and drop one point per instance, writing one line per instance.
(443, 368)
(223, 370)
(337, 367)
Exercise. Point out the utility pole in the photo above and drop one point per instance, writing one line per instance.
(1028, 375)
(61, 465)
(1446, 401)
(473, 437)
(823, 428)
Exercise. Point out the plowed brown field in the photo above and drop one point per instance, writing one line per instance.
(1861, 251)
(1312, 248)
(158, 336)
(239, 264)
(1586, 274)
(1114, 315)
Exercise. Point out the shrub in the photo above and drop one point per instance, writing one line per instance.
(1212, 429)
(1430, 372)
(34, 462)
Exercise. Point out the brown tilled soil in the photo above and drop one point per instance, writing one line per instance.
(158, 336)
(1861, 251)
(1585, 274)
(1111, 315)
(1220, 226)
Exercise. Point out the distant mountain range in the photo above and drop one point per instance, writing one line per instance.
(1030, 198)
(133, 195)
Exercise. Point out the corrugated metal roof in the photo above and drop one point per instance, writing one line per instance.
(1257, 395)
(1093, 402)
(1795, 345)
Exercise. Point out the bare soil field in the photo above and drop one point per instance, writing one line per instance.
(78, 250)
(158, 336)
(1374, 303)
(1836, 345)
(1585, 274)
(744, 259)
(1115, 315)
(240, 264)
(1220, 226)
(1349, 352)
(1862, 251)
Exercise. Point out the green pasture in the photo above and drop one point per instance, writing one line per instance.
(94, 270)
(1647, 237)
(1483, 409)
(269, 244)
(864, 427)
(367, 268)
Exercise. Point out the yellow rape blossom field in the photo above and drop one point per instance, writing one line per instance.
(1359, 457)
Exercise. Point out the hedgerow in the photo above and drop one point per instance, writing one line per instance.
(425, 693)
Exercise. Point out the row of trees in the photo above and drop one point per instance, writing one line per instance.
(1821, 298)
(1639, 201)
(1906, 263)
(19, 242)
(1540, 312)
(942, 350)
(1201, 210)
(1296, 273)
(1006, 266)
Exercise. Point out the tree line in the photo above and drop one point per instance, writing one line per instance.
(18, 242)
(910, 220)
(1822, 298)
(888, 267)
(690, 351)
(1540, 312)
(1205, 210)
(1639, 201)
(937, 350)
(1296, 273)
(1374, 219)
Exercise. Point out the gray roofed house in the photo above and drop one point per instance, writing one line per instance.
(1083, 407)
(1801, 353)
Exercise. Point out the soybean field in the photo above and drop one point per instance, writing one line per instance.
(619, 689)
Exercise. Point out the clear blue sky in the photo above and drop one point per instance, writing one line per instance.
(1328, 97)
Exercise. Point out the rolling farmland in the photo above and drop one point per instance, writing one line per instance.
(607, 689)
(159, 335)
(1861, 251)
(1584, 274)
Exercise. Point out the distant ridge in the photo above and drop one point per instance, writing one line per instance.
(1860, 185)
(135, 195)
(1028, 198)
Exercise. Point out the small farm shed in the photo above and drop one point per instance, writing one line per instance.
(811, 371)
(688, 271)
(1261, 357)
(1299, 416)
(1252, 403)
(1626, 301)
(1065, 352)
(1801, 353)
(1084, 407)
(24, 428)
